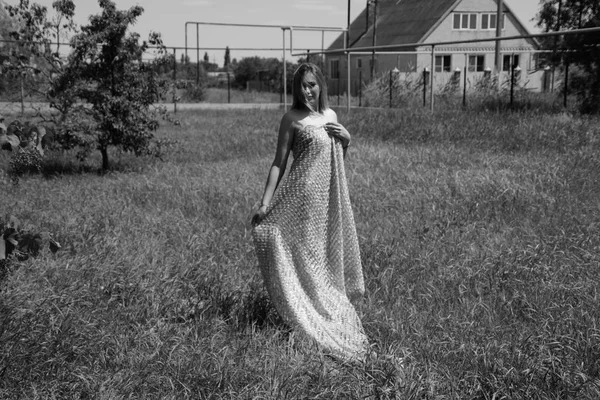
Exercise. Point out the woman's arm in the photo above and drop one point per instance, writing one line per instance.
(284, 145)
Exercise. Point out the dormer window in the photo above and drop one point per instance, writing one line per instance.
(465, 21)
(488, 21)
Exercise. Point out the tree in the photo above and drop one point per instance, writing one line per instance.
(267, 70)
(580, 50)
(34, 35)
(105, 92)
(206, 59)
(227, 60)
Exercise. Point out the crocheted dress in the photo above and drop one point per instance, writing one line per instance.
(307, 247)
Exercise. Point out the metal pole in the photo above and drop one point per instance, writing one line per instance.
(186, 40)
(374, 39)
(360, 88)
(347, 73)
(174, 81)
(499, 20)
(424, 87)
(390, 88)
(228, 88)
(284, 74)
(432, 74)
(322, 46)
(566, 88)
(348, 31)
(465, 80)
(338, 81)
(348, 85)
(197, 55)
(512, 81)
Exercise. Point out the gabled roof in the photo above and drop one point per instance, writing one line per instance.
(401, 22)
(398, 22)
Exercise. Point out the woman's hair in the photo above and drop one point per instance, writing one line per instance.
(298, 96)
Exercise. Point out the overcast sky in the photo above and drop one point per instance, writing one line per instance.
(169, 17)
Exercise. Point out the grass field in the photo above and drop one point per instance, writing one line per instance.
(480, 242)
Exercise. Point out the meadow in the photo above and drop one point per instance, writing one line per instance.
(480, 242)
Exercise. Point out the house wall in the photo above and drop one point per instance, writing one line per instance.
(444, 32)
(530, 78)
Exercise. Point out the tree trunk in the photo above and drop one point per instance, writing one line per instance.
(105, 163)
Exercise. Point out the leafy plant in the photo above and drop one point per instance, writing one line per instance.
(105, 92)
(18, 244)
(24, 160)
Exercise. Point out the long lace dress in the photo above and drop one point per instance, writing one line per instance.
(307, 247)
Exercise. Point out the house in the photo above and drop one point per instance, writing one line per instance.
(422, 22)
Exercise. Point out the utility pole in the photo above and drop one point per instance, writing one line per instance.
(556, 42)
(499, 20)
(374, 2)
(348, 31)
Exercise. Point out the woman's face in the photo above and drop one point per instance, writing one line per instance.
(311, 90)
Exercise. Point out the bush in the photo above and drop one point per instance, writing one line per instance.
(194, 93)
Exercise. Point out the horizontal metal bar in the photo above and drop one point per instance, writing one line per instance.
(462, 51)
(494, 39)
(267, 26)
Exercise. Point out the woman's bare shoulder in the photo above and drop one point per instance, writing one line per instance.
(330, 115)
(291, 120)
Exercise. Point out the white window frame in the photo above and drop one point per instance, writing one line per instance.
(473, 67)
(510, 61)
(465, 19)
(490, 17)
(443, 67)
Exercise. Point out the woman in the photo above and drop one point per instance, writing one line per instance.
(304, 233)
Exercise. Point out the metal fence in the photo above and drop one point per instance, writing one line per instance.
(351, 88)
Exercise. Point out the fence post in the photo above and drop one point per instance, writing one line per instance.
(424, 86)
(432, 73)
(566, 84)
(197, 55)
(174, 81)
(465, 80)
(512, 83)
(360, 88)
(391, 88)
(228, 88)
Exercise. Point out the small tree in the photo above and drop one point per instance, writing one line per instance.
(206, 59)
(105, 92)
(227, 60)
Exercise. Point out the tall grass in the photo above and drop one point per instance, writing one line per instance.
(480, 242)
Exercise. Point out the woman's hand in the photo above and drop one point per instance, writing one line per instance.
(337, 130)
(259, 215)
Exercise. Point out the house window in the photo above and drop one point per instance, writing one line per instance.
(443, 63)
(476, 63)
(334, 69)
(465, 21)
(488, 21)
(359, 63)
(506, 61)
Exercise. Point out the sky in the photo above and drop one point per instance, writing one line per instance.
(169, 17)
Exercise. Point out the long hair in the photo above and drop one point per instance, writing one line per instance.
(299, 101)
